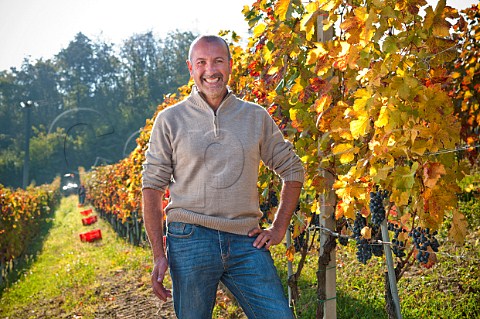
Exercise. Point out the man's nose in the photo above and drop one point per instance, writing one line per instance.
(210, 67)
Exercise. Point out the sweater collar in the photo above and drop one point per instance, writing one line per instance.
(199, 101)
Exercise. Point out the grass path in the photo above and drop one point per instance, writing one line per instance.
(74, 279)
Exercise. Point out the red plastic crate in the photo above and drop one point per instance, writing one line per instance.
(89, 220)
(86, 212)
(92, 235)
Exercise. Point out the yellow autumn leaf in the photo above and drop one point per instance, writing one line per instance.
(258, 30)
(456, 75)
(314, 54)
(366, 232)
(273, 70)
(360, 126)
(382, 117)
(308, 22)
(322, 103)
(290, 253)
(345, 151)
(362, 100)
(281, 8)
(293, 114)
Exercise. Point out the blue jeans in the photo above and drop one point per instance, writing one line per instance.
(199, 258)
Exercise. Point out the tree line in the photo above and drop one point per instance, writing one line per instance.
(88, 103)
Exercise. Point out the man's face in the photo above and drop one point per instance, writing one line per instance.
(210, 68)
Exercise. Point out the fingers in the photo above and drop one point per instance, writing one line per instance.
(261, 241)
(158, 275)
(161, 292)
(255, 232)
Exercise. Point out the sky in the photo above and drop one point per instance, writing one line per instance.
(35, 29)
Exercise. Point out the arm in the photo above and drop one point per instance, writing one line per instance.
(288, 203)
(153, 218)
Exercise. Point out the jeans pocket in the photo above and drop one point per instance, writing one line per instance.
(180, 230)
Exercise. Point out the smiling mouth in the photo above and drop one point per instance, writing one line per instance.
(212, 79)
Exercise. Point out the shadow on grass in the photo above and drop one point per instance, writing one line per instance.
(23, 263)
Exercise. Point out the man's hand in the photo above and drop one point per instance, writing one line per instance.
(267, 237)
(159, 269)
(288, 203)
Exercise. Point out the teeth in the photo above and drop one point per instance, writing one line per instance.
(212, 80)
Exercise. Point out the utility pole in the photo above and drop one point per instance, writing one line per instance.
(28, 127)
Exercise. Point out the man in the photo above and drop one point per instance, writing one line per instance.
(206, 150)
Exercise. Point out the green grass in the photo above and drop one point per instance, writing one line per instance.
(67, 270)
(74, 276)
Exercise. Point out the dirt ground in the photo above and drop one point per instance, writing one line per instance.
(121, 297)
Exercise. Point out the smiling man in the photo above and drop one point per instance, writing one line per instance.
(206, 150)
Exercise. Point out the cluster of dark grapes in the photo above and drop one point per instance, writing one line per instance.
(422, 238)
(267, 205)
(273, 199)
(358, 225)
(299, 242)
(364, 250)
(398, 246)
(343, 240)
(376, 205)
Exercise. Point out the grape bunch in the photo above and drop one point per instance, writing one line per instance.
(343, 240)
(364, 250)
(398, 246)
(376, 205)
(358, 225)
(422, 239)
(267, 205)
(299, 242)
(265, 208)
(273, 199)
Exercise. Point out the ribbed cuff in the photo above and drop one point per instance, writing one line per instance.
(294, 177)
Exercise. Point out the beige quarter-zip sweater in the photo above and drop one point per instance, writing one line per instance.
(209, 161)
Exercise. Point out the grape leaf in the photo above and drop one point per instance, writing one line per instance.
(366, 232)
(281, 8)
(290, 253)
(309, 20)
(432, 173)
(458, 230)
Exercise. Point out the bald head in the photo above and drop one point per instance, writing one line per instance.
(209, 39)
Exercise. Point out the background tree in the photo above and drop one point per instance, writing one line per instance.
(90, 102)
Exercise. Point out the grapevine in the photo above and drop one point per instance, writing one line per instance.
(423, 240)
(398, 246)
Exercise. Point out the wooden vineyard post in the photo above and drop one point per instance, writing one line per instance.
(326, 273)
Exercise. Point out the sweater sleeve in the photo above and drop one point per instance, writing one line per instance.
(278, 154)
(158, 165)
